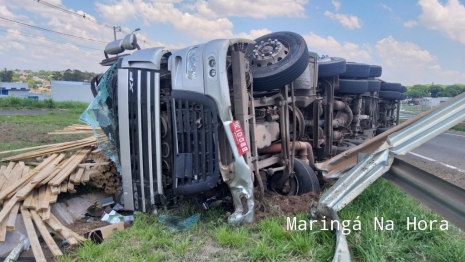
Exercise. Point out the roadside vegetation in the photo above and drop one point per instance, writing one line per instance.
(418, 109)
(12, 102)
(212, 239)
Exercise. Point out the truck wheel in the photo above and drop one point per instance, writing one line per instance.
(375, 71)
(305, 177)
(356, 70)
(304, 180)
(391, 95)
(374, 85)
(391, 87)
(277, 59)
(331, 66)
(348, 86)
(403, 89)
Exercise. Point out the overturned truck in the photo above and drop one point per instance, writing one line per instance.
(235, 116)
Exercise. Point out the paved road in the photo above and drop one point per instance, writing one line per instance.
(443, 156)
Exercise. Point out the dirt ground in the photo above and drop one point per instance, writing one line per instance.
(275, 205)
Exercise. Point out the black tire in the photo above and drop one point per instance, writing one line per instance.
(374, 85)
(403, 89)
(375, 71)
(284, 71)
(356, 70)
(344, 146)
(385, 86)
(348, 86)
(383, 129)
(334, 67)
(306, 177)
(391, 95)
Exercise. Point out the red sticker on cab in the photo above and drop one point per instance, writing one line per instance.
(239, 137)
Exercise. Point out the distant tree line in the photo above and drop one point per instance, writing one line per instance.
(67, 75)
(435, 90)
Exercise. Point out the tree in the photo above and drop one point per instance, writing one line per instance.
(417, 91)
(435, 89)
(6, 75)
(453, 90)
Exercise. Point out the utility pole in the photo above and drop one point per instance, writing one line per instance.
(115, 28)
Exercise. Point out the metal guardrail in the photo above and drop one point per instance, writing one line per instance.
(375, 163)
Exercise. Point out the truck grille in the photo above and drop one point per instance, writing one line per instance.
(196, 142)
(142, 143)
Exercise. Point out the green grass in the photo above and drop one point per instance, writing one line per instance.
(19, 131)
(12, 102)
(212, 239)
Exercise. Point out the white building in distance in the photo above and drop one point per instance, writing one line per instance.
(71, 91)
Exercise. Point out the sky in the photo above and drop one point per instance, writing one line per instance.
(416, 42)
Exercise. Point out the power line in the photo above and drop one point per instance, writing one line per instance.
(56, 7)
(51, 31)
(47, 39)
(30, 43)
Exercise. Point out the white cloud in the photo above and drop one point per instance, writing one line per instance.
(386, 7)
(336, 4)
(253, 34)
(411, 23)
(448, 18)
(409, 64)
(348, 21)
(4, 12)
(251, 8)
(330, 46)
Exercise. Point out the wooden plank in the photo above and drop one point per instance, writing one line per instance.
(13, 177)
(76, 161)
(65, 232)
(26, 170)
(45, 199)
(79, 144)
(71, 187)
(10, 225)
(7, 208)
(28, 200)
(55, 190)
(57, 227)
(3, 177)
(64, 187)
(36, 147)
(3, 230)
(77, 178)
(10, 167)
(86, 175)
(8, 174)
(49, 169)
(46, 214)
(73, 176)
(53, 198)
(46, 235)
(31, 233)
(35, 199)
(22, 193)
(55, 172)
(20, 182)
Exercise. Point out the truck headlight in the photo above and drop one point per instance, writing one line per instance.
(191, 60)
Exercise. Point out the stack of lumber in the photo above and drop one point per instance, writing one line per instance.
(74, 129)
(31, 191)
